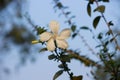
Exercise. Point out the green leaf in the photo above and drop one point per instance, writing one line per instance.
(57, 74)
(40, 30)
(100, 8)
(59, 5)
(89, 9)
(43, 49)
(105, 0)
(84, 27)
(100, 36)
(67, 13)
(52, 56)
(91, 1)
(61, 66)
(77, 77)
(65, 58)
(74, 35)
(110, 23)
(73, 28)
(96, 21)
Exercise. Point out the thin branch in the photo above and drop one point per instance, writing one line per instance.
(115, 40)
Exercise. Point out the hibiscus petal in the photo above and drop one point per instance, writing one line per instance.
(65, 34)
(51, 45)
(62, 44)
(54, 26)
(45, 36)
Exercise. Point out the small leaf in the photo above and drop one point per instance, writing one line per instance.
(110, 23)
(89, 9)
(77, 77)
(91, 1)
(105, 0)
(52, 56)
(73, 28)
(100, 36)
(57, 74)
(61, 66)
(43, 49)
(59, 5)
(74, 35)
(96, 21)
(65, 58)
(67, 13)
(100, 8)
(111, 40)
(84, 27)
(40, 30)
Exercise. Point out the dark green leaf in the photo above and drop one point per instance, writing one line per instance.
(96, 21)
(73, 28)
(100, 8)
(105, 0)
(67, 13)
(100, 35)
(61, 66)
(91, 1)
(89, 9)
(74, 35)
(84, 27)
(40, 30)
(106, 43)
(59, 5)
(65, 58)
(43, 49)
(52, 56)
(111, 40)
(110, 23)
(77, 77)
(57, 74)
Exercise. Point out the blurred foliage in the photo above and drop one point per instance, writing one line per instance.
(15, 32)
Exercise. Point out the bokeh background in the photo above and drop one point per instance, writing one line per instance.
(21, 60)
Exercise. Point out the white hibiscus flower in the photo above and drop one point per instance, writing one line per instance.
(53, 36)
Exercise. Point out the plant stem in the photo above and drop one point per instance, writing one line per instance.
(64, 64)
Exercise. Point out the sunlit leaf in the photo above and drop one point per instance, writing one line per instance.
(96, 21)
(89, 9)
(100, 8)
(77, 77)
(57, 74)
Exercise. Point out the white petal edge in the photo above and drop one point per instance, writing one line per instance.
(54, 26)
(45, 36)
(65, 34)
(51, 45)
(62, 44)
